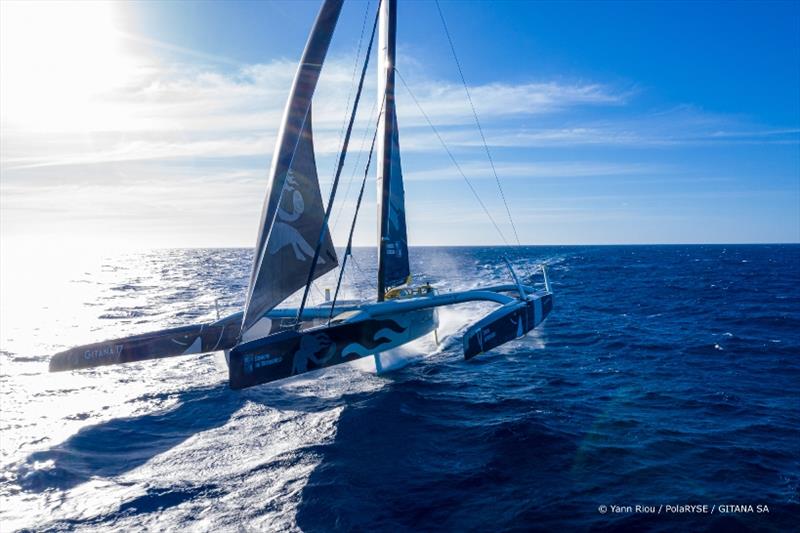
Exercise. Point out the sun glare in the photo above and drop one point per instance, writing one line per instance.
(57, 57)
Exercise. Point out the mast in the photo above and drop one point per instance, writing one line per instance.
(387, 39)
(393, 267)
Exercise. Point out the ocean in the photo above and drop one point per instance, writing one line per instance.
(667, 377)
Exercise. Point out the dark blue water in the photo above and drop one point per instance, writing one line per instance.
(666, 375)
(669, 375)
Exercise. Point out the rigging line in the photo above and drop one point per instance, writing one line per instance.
(319, 291)
(361, 275)
(355, 262)
(354, 287)
(353, 278)
(355, 167)
(452, 158)
(335, 185)
(349, 249)
(477, 122)
(358, 266)
(352, 79)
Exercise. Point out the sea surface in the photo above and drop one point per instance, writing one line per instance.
(665, 376)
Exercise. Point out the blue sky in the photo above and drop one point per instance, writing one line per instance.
(153, 124)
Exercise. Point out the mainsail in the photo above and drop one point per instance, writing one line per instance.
(393, 268)
(292, 216)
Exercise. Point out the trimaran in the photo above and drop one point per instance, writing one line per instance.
(264, 342)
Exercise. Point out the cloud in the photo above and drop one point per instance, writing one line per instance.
(554, 169)
(188, 111)
(144, 149)
(640, 137)
(188, 143)
(446, 103)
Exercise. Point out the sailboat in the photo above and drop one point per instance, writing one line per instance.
(265, 342)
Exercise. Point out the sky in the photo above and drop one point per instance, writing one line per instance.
(152, 124)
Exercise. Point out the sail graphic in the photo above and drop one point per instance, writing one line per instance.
(394, 236)
(393, 267)
(292, 215)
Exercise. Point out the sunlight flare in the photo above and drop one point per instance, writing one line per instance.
(58, 59)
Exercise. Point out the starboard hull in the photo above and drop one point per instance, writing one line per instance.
(505, 324)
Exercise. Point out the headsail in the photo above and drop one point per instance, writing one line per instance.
(292, 216)
(393, 268)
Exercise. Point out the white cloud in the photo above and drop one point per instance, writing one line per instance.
(188, 144)
(554, 169)
(446, 103)
(170, 111)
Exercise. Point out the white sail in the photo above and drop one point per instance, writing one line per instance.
(293, 214)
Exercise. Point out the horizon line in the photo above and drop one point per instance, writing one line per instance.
(242, 247)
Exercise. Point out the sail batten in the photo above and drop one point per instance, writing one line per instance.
(292, 215)
(393, 266)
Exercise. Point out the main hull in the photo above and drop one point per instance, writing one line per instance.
(291, 353)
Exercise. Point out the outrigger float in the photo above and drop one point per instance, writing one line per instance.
(264, 342)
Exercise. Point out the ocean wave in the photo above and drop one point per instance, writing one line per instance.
(665, 374)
